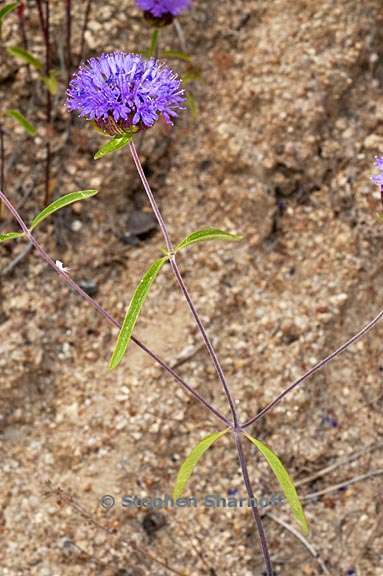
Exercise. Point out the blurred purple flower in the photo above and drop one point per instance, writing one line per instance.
(378, 178)
(119, 90)
(160, 8)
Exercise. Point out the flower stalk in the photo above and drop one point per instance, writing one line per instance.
(182, 284)
(236, 427)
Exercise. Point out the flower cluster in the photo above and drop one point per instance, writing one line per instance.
(161, 8)
(119, 91)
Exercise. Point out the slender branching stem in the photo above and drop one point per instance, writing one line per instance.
(182, 285)
(70, 282)
(315, 368)
(261, 532)
(237, 429)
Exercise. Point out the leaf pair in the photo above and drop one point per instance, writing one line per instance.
(272, 459)
(53, 207)
(143, 288)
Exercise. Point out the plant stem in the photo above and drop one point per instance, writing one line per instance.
(235, 426)
(2, 166)
(45, 29)
(70, 282)
(254, 509)
(182, 285)
(315, 368)
(23, 34)
(84, 28)
(68, 22)
(49, 107)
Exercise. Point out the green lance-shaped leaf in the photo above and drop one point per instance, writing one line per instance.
(7, 9)
(20, 119)
(192, 460)
(116, 143)
(61, 203)
(51, 82)
(25, 57)
(176, 55)
(133, 311)
(284, 480)
(10, 236)
(205, 235)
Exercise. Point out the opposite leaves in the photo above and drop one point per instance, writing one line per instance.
(133, 312)
(284, 480)
(192, 460)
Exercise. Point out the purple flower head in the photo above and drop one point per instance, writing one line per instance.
(160, 8)
(378, 178)
(119, 91)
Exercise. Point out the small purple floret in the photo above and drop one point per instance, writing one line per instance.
(159, 8)
(378, 178)
(119, 90)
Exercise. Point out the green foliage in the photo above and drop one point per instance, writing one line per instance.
(61, 203)
(53, 207)
(133, 311)
(20, 119)
(51, 82)
(192, 460)
(116, 143)
(206, 235)
(284, 480)
(175, 55)
(7, 9)
(25, 57)
(10, 236)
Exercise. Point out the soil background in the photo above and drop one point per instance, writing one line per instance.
(290, 117)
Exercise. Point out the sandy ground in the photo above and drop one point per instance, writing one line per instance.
(290, 119)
